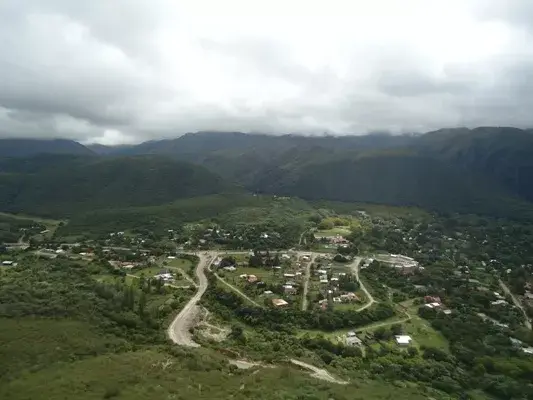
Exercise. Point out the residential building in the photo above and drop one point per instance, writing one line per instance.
(279, 303)
(403, 340)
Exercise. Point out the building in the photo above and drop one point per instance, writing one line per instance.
(289, 289)
(164, 276)
(279, 303)
(251, 278)
(348, 297)
(498, 302)
(230, 268)
(432, 299)
(353, 340)
(7, 263)
(403, 340)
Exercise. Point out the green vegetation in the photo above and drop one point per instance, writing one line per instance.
(66, 186)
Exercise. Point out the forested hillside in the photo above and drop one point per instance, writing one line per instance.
(484, 170)
(31, 147)
(68, 185)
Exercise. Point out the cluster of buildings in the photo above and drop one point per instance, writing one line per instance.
(435, 303)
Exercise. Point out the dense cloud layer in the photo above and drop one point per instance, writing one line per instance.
(121, 71)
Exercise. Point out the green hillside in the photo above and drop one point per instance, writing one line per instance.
(63, 186)
(31, 147)
(395, 178)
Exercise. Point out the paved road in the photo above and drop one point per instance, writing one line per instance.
(355, 268)
(306, 281)
(516, 302)
(178, 331)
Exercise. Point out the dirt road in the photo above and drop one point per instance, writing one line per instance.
(318, 373)
(237, 291)
(306, 281)
(355, 268)
(178, 331)
(516, 302)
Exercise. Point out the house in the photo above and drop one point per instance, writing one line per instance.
(349, 297)
(353, 340)
(268, 292)
(285, 257)
(128, 266)
(289, 275)
(164, 276)
(243, 276)
(171, 258)
(230, 268)
(323, 280)
(7, 263)
(432, 299)
(447, 312)
(279, 303)
(289, 289)
(337, 300)
(528, 295)
(403, 340)
(498, 302)
(252, 279)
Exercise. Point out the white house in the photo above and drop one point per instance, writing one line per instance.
(403, 340)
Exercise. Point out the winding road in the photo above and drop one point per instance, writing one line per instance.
(178, 331)
(355, 268)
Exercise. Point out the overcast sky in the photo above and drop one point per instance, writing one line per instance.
(118, 71)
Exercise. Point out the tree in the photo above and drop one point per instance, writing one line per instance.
(142, 304)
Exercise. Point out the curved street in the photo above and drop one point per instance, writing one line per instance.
(178, 331)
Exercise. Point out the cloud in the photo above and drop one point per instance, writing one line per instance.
(119, 71)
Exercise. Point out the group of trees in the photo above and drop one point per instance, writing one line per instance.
(64, 289)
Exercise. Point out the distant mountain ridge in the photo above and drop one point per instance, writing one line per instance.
(482, 170)
(31, 147)
(66, 185)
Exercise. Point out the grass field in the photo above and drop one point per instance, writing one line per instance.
(30, 344)
(198, 374)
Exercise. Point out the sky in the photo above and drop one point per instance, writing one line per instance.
(126, 71)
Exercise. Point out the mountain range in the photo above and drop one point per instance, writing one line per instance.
(485, 170)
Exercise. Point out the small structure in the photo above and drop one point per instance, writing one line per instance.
(165, 277)
(403, 340)
(267, 292)
(447, 311)
(252, 279)
(432, 299)
(348, 297)
(498, 302)
(353, 340)
(230, 268)
(7, 263)
(279, 303)
(289, 275)
(289, 289)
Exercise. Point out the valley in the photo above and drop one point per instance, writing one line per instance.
(127, 276)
